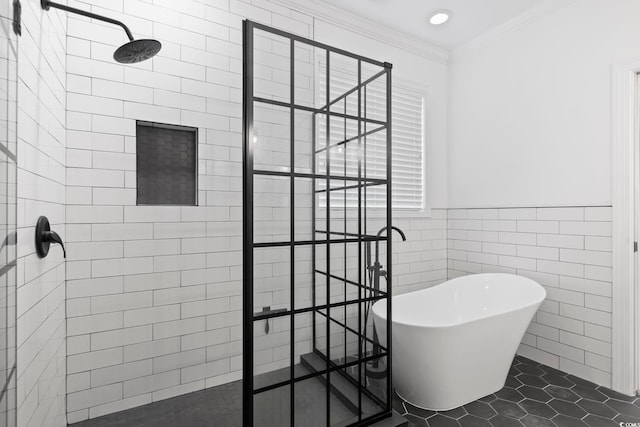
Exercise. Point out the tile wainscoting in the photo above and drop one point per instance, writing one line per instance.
(568, 251)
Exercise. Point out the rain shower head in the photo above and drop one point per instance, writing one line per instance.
(136, 51)
(131, 52)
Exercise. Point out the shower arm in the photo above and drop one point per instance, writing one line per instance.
(46, 4)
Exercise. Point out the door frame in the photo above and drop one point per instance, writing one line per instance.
(624, 122)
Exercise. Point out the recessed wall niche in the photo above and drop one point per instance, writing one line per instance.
(166, 164)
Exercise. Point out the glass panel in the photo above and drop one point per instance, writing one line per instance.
(367, 334)
(272, 408)
(4, 339)
(303, 338)
(374, 99)
(7, 239)
(375, 154)
(353, 272)
(321, 274)
(337, 291)
(371, 405)
(303, 278)
(350, 106)
(308, 86)
(303, 200)
(320, 320)
(343, 411)
(304, 141)
(272, 351)
(11, 319)
(271, 278)
(311, 402)
(271, 66)
(8, 215)
(12, 213)
(271, 201)
(369, 70)
(338, 336)
(382, 259)
(351, 336)
(271, 136)
(320, 140)
(4, 410)
(343, 77)
(376, 384)
(310, 75)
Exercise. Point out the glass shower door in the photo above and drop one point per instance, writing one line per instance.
(8, 214)
(316, 189)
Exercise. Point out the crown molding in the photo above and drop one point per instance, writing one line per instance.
(543, 9)
(374, 30)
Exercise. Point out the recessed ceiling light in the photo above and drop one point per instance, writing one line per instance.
(439, 17)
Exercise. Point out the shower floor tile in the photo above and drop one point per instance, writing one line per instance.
(221, 406)
(535, 395)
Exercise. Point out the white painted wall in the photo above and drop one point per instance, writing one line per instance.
(530, 109)
(530, 126)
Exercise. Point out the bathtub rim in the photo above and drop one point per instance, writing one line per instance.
(450, 325)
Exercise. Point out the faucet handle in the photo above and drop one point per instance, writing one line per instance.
(44, 237)
(54, 237)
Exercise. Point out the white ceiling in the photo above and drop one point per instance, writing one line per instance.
(470, 18)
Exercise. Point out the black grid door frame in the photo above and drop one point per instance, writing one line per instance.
(359, 182)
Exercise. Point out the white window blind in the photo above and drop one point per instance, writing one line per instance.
(407, 142)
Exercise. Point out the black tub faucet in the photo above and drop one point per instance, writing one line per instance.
(376, 268)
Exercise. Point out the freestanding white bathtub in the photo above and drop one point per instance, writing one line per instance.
(454, 343)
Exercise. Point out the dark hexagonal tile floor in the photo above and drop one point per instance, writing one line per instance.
(536, 395)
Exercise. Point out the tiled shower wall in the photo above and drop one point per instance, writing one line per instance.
(154, 293)
(41, 191)
(568, 251)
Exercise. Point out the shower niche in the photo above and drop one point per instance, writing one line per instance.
(316, 193)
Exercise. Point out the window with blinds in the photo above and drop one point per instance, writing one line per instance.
(407, 145)
(407, 142)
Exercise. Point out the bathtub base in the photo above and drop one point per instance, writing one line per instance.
(446, 408)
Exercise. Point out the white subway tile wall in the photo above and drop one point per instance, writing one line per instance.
(41, 363)
(154, 293)
(568, 251)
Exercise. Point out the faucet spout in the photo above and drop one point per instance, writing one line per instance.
(393, 227)
(400, 232)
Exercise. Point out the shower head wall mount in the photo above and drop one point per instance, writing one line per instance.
(130, 52)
